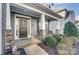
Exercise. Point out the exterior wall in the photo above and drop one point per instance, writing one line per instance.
(53, 26)
(57, 25)
(62, 23)
(4, 8)
(34, 27)
(0, 28)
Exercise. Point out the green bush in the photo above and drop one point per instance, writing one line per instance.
(78, 34)
(61, 35)
(70, 29)
(50, 41)
(58, 37)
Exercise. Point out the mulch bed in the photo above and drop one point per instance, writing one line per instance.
(22, 51)
(50, 51)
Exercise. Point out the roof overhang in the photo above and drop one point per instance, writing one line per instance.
(25, 11)
(44, 9)
(50, 18)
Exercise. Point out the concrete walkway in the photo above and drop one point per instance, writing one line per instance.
(31, 47)
(35, 50)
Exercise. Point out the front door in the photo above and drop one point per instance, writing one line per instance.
(22, 28)
(21, 24)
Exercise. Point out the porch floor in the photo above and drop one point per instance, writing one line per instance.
(34, 49)
(33, 41)
(27, 42)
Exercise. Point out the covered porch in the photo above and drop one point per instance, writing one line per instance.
(38, 23)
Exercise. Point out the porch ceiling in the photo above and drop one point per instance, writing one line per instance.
(50, 18)
(21, 10)
(44, 9)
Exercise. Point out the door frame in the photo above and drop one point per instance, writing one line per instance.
(28, 35)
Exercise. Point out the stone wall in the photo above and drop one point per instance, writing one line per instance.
(8, 39)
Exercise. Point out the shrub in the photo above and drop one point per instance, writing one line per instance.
(66, 46)
(59, 37)
(78, 34)
(50, 41)
(70, 41)
(64, 49)
(70, 29)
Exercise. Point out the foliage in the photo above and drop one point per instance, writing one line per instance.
(70, 41)
(66, 46)
(50, 41)
(59, 37)
(70, 29)
(64, 49)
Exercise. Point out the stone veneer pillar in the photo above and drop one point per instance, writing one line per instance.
(43, 28)
(8, 32)
(5, 33)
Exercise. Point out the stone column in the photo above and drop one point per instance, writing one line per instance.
(8, 32)
(43, 28)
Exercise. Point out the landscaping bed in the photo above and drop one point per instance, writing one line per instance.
(62, 44)
(50, 51)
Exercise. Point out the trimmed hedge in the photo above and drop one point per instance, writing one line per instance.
(59, 37)
(50, 41)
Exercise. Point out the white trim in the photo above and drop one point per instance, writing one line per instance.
(30, 29)
(43, 21)
(8, 21)
(28, 35)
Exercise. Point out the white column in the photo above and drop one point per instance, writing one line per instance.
(0, 28)
(58, 26)
(29, 28)
(48, 26)
(43, 25)
(8, 22)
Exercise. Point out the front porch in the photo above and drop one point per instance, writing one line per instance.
(27, 42)
(23, 24)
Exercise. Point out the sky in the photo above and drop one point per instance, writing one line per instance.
(70, 6)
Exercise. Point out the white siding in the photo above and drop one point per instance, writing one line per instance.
(0, 28)
(34, 27)
(62, 23)
(53, 26)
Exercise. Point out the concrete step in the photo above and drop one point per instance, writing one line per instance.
(35, 50)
